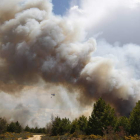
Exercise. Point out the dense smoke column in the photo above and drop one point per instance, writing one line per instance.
(98, 81)
(36, 44)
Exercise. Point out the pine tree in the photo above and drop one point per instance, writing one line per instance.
(64, 126)
(122, 122)
(55, 126)
(11, 127)
(27, 129)
(134, 120)
(18, 127)
(74, 126)
(3, 125)
(102, 116)
(14, 127)
(82, 123)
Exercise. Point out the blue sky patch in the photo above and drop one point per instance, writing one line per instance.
(60, 6)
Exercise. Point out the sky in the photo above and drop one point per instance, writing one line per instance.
(60, 6)
(104, 33)
(122, 19)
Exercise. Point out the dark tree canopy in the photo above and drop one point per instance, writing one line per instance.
(101, 117)
(14, 127)
(74, 126)
(3, 125)
(122, 122)
(134, 120)
(82, 124)
(60, 126)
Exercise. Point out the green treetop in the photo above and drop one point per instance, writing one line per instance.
(134, 120)
(101, 117)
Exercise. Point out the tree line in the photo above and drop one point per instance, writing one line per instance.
(17, 128)
(102, 118)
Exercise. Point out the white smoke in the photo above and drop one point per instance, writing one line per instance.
(37, 47)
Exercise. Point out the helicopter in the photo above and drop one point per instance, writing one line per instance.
(52, 95)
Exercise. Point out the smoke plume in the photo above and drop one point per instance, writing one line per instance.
(35, 44)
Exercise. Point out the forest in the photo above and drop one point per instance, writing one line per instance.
(103, 123)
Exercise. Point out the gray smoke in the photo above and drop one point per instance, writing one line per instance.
(35, 44)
